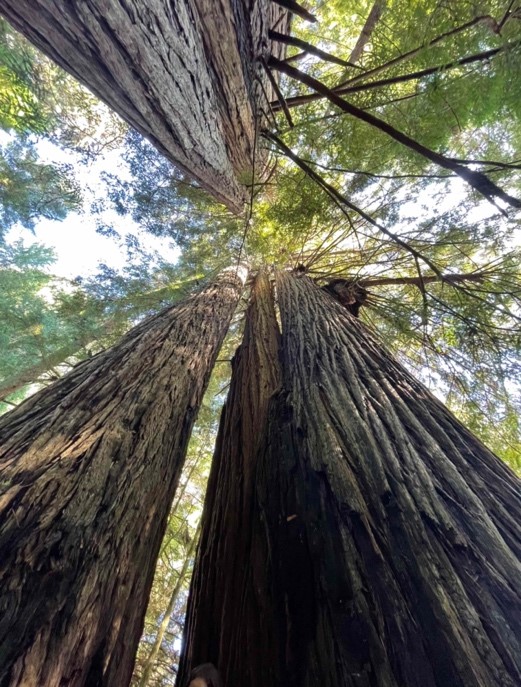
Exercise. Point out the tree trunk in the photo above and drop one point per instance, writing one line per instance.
(182, 73)
(89, 466)
(392, 532)
(227, 617)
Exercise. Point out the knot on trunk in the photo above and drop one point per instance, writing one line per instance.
(349, 293)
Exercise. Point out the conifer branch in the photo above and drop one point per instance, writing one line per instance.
(308, 48)
(486, 18)
(478, 276)
(341, 200)
(479, 181)
(295, 8)
(305, 98)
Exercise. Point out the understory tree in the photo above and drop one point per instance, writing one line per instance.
(89, 467)
(354, 531)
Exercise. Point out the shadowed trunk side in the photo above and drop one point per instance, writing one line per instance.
(229, 621)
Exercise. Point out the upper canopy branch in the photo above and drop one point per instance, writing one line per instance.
(293, 6)
(342, 201)
(477, 180)
(401, 78)
(308, 48)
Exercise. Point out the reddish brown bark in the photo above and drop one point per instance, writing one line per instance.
(89, 466)
(227, 617)
(384, 535)
(183, 73)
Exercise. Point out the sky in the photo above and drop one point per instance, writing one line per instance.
(79, 248)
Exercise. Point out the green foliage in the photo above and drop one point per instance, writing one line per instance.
(31, 190)
(21, 107)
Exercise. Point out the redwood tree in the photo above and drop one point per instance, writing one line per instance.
(89, 466)
(229, 603)
(181, 73)
(384, 536)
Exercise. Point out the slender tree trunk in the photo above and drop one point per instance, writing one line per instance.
(392, 533)
(89, 466)
(228, 614)
(367, 30)
(181, 72)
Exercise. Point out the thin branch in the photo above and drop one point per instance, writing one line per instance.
(426, 279)
(342, 200)
(297, 100)
(295, 8)
(477, 180)
(297, 57)
(495, 163)
(343, 170)
(308, 48)
(278, 93)
(415, 51)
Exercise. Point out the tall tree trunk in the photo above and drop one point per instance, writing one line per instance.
(392, 532)
(182, 72)
(227, 617)
(89, 466)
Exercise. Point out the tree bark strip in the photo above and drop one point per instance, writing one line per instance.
(89, 466)
(228, 618)
(387, 538)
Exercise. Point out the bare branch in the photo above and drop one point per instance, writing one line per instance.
(297, 100)
(367, 30)
(295, 8)
(308, 48)
(425, 279)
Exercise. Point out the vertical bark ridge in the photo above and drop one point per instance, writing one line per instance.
(404, 532)
(229, 620)
(89, 466)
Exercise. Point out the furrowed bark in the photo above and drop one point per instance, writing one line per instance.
(406, 526)
(387, 536)
(179, 72)
(89, 466)
(228, 618)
